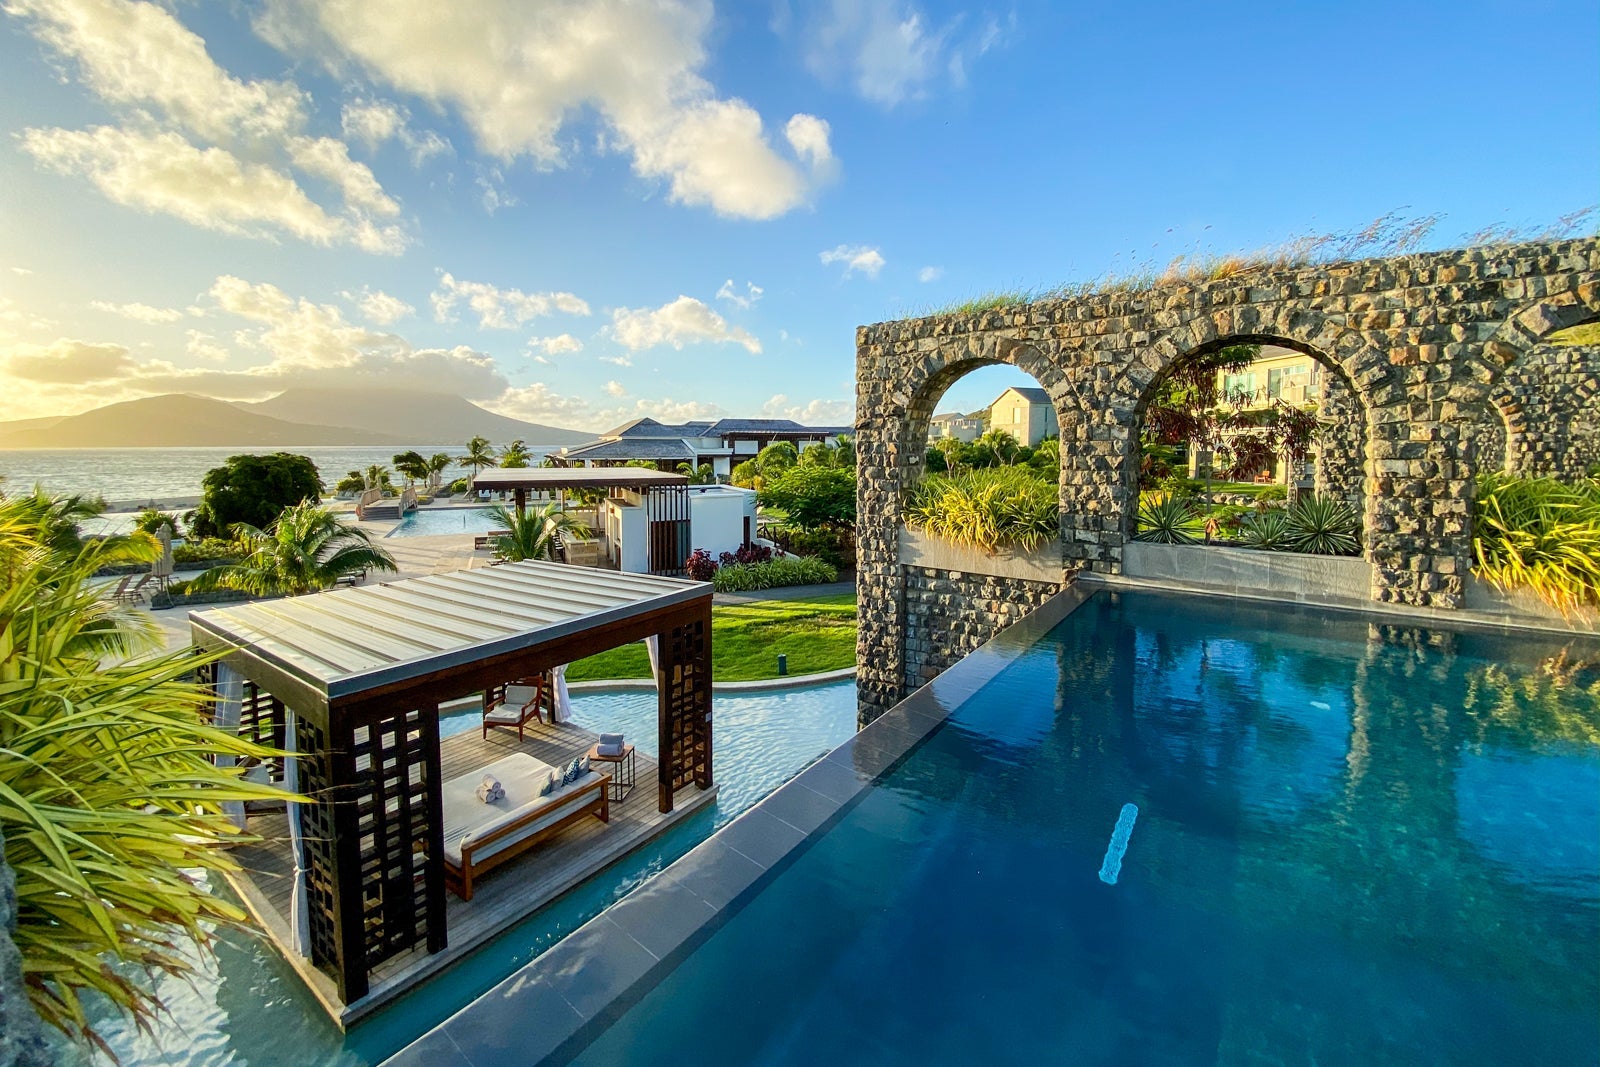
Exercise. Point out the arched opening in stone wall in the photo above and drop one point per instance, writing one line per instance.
(1542, 417)
(982, 465)
(1254, 442)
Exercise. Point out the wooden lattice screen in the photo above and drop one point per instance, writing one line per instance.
(399, 907)
(686, 706)
(316, 832)
(261, 719)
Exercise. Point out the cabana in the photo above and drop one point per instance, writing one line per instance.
(352, 680)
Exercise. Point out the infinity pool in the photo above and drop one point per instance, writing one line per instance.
(249, 1008)
(430, 522)
(1350, 843)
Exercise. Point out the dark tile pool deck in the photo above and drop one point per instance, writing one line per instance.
(549, 1009)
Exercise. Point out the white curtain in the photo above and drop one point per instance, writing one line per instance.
(230, 692)
(652, 645)
(299, 918)
(561, 707)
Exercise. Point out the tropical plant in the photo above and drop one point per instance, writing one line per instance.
(701, 475)
(413, 467)
(150, 520)
(353, 482)
(743, 577)
(700, 567)
(777, 458)
(813, 496)
(1167, 519)
(308, 548)
(745, 474)
(480, 454)
(53, 521)
(934, 461)
(1539, 534)
(109, 793)
(1266, 530)
(207, 550)
(987, 509)
(745, 554)
(534, 534)
(377, 477)
(1001, 443)
(253, 490)
(438, 463)
(515, 455)
(833, 545)
(1324, 525)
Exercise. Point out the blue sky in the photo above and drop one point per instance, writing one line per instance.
(580, 213)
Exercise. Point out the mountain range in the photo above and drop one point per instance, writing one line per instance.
(296, 417)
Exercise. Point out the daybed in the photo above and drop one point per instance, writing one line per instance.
(479, 836)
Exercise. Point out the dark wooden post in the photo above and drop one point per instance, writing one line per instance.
(684, 703)
(520, 495)
(348, 909)
(432, 781)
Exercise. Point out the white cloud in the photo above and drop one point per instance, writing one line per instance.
(518, 72)
(615, 388)
(543, 362)
(67, 361)
(24, 271)
(555, 346)
(539, 403)
(14, 319)
(496, 308)
(930, 274)
(199, 144)
(888, 51)
(138, 312)
(732, 295)
(372, 122)
(491, 183)
(204, 346)
(858, 258)
(617, 361)
(378, 307)
(811, 413)
(683, 321)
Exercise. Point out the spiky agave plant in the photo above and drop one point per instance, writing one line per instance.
(109, 797)
(1324, 525)
(1539, 534)
(1166, 519)
(1266, 530)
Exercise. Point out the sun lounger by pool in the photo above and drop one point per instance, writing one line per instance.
(480, 836)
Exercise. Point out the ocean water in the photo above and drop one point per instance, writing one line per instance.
(1340, 842)
(137, 475)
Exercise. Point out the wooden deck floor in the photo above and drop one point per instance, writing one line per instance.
(503, 896)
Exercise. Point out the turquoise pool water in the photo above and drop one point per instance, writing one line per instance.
(249, 1008)
(1354, 843)
(426, 522)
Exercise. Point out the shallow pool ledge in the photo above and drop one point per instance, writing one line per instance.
(549, 1009)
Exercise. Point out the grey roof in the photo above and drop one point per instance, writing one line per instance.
(633, 448)
(774, 426)
(345, 642)
(504, 478)
(651, 428)
(1033, 396)
(952, 416)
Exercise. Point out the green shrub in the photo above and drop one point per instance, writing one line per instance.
(460, 485)
(1266, 530)
(836, 547)
(811, 496)
(1324, 526)
(1167, 519)
(989, 508)
(744, 577)
(1272, 494)
(209, 550)
(1539, 534)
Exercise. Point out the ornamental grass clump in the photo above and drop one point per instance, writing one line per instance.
(773, 574)
(989, 509)
(1541, 535)
(1167, 519)
(1323, 525)
(110, 803)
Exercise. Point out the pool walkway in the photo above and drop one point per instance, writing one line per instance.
(503, 897)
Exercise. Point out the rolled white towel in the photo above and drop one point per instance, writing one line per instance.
(490, 790)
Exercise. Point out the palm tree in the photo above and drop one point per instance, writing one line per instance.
(377, 477)
(412, 466)
(438, 463)
(307, 549)
(532, 534)
(515, 454)
(480, 454)
(55, 519)
(1001, 443)
(110, 796)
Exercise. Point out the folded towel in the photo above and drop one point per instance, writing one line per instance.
(490, 790)
(608, 750)
(611, 740)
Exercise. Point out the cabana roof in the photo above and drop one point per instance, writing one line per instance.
(338, 646)
(501, 479)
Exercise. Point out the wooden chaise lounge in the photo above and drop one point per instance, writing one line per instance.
(479, 837)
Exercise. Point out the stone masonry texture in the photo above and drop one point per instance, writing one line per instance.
(1434, 355)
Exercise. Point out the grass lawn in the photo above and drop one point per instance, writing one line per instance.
(817, 635)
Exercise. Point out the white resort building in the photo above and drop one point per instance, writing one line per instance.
(723, 444)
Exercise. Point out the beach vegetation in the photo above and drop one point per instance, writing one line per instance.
(480, 454)
(535, 533)
(306, 549)
(438, 463)
(412, 466)
(109, 790)
(253, 490)
(515, 454)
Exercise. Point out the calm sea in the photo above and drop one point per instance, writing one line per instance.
(132, 477)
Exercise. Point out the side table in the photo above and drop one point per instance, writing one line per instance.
(625, 776)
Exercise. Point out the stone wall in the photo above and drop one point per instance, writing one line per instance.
(1420, 342)
(1545, 417)
(950, 613)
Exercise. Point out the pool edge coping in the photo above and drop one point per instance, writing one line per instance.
(567, 996)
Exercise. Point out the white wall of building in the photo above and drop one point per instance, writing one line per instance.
(717, 515)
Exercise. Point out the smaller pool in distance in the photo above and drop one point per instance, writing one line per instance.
(446, 521)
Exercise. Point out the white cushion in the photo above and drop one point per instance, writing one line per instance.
(521, 694)
(510, 714)
(522, 776)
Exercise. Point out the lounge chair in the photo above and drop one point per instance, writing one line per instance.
(132, 594)
(513, 706)
(479, 836)
(122, 587)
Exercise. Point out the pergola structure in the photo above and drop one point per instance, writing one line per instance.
(352, 681)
